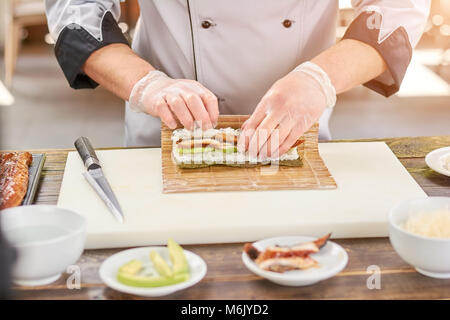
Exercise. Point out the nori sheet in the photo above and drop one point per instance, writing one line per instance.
(286, 163)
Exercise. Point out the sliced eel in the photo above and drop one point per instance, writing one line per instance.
(219, 142)
(286, 264)
(282, 258)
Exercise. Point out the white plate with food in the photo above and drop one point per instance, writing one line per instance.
(295, 260)
(153, 271)
(439, 160)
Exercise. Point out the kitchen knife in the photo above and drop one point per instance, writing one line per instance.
(94, 175)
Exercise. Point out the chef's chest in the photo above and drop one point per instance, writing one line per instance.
(246, 28)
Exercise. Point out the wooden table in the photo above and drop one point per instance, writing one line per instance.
(228, 278)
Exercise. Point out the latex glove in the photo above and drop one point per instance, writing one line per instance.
(290, 107)
(171, 99)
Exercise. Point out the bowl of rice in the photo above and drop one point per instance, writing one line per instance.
(419, 231)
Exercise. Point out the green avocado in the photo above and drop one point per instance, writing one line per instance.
(178, 258)
(195, 150)
(130, 273)
(160, 265)
(132, 267)
(231, 149)
(147, 282)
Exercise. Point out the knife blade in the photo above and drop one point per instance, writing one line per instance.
(96, 178)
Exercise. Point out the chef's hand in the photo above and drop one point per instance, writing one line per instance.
(290, 107)
(171, 99)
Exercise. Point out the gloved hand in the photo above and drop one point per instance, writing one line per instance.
(171, 99)
(290, 107)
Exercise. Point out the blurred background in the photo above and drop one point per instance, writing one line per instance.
(39, 110)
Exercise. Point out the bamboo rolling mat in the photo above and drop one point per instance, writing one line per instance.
(313, 175)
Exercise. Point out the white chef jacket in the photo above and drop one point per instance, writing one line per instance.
(235, 48)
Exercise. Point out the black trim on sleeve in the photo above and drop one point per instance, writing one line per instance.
(395, 49)
(75, 45)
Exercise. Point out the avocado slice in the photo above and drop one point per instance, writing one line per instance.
(147, 282)
(178, 258)
(195, 150)
(132, 267)
(230, 149)
(160, 265)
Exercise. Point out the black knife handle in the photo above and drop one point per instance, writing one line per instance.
(87, 153)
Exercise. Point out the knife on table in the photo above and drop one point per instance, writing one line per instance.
(94, 175)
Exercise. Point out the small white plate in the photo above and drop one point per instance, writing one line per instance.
(109, 268)
(433, 160)
(332, 259)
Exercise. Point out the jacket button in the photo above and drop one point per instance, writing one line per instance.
(287, 23)
(206, 24)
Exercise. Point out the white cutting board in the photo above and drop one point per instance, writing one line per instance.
(370, 181)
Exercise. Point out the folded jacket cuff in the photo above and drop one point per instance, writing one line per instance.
(75, 45)
(395, 49)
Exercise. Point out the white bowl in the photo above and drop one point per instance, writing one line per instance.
(332, 259)
(433, 160)
(109, 268)
(48, 240)
(430, 256)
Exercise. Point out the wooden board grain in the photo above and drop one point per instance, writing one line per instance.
(228, 278)
(313, 175)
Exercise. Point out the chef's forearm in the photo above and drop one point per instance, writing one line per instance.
(117, 68)
(350, 63)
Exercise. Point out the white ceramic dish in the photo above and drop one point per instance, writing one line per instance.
(332, 259)
(433, 160)
(48, 239)
(109, 268)
(430, 256)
